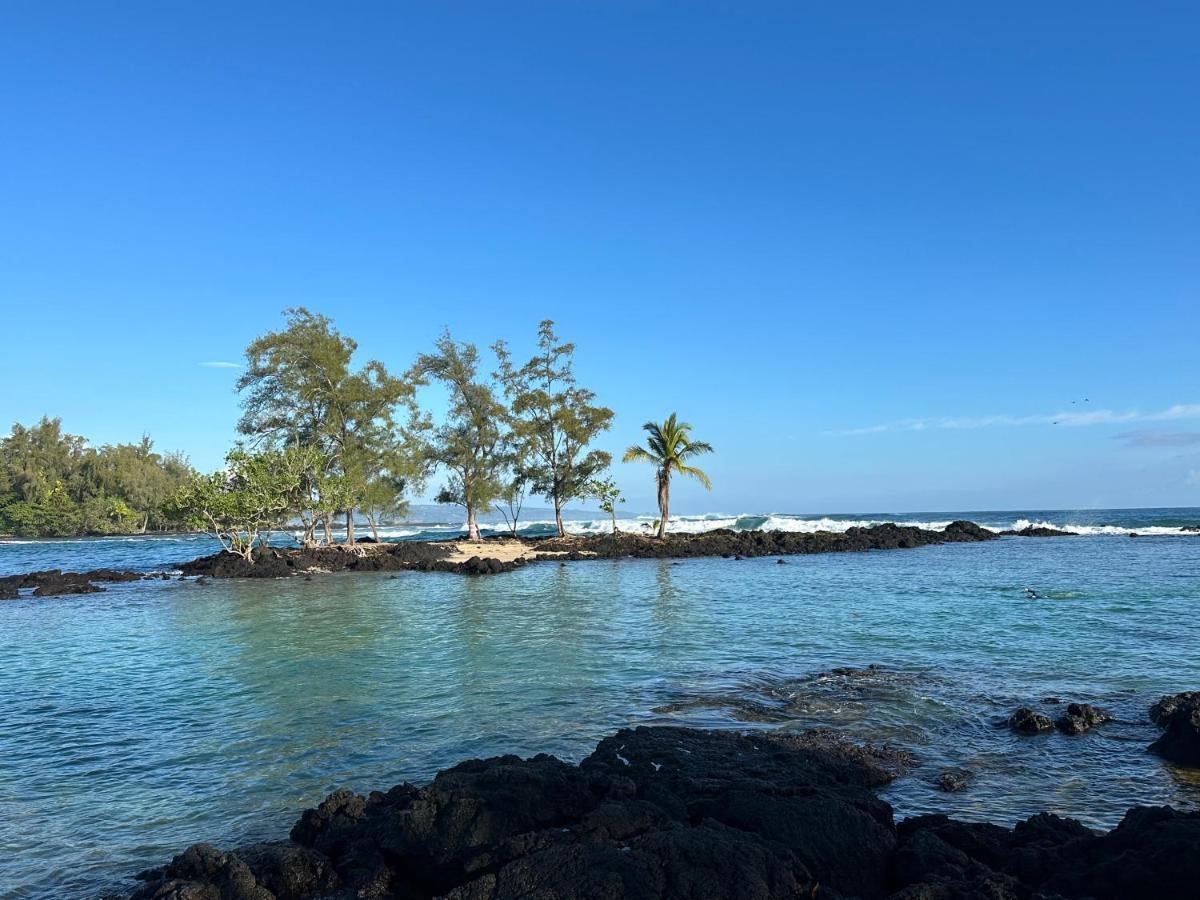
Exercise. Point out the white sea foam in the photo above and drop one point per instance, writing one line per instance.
(1148, 530)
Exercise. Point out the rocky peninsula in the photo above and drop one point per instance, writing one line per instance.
(497, 555)
(503, 554)
(680, 813)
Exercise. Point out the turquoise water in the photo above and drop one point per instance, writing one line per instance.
(157, 714)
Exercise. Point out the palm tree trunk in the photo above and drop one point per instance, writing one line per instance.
(664, 501)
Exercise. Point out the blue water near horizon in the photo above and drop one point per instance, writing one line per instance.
(161, 713)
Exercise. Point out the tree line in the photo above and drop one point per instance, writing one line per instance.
(54, 484)
(321, 440)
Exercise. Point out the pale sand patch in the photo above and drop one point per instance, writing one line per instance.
(505, 551)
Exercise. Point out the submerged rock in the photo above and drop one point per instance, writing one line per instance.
(1179, 716)
(952, 780)
(1081, 717)
(1027, 721)
(56, 583)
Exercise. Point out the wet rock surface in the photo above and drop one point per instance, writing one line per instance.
(844, 693)
(56, 583)
(1081, 717)
(1179, 717)
(673, 812)
(1038, 531)
(1028, 721)
(954, 780)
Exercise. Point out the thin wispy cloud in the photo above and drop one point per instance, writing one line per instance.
(1147, 438)
(218, 364)
(1069, 418)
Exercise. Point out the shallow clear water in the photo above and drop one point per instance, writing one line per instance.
(137, 721)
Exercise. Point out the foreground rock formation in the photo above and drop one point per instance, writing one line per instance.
(1179, 717)
(672, 812)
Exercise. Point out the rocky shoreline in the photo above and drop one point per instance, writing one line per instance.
(497, 555)
(504, 554)
(675, 812)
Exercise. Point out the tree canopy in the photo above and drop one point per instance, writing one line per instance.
(668, 447)
(472, 443)
(55, 484)
(554, 421)
(299, 390)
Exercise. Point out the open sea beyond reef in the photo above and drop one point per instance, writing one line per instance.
(160, 713)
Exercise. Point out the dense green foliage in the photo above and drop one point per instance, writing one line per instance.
(668, 446)
(322, 439)
(253, 494)
(473, 444)
(299, 391)
(553, 421)
(54, 484)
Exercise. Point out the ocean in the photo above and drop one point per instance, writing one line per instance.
(160, 713)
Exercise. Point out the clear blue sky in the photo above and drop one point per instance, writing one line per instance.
(822, 232)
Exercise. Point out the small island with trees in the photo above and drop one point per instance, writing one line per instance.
(324, 442)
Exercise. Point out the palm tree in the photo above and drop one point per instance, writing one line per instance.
(669, 445)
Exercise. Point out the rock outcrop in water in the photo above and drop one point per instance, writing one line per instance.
(1081, 717)
(1179, 716)
(56, 583)
(680, 813)
(430, 556)
(727, 543)
(279, 562)
(1028, 721)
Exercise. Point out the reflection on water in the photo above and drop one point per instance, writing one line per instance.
(140, 720)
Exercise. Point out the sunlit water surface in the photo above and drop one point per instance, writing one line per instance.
(137, 721)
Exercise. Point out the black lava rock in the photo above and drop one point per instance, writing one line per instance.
(1179, 716)
(1026, 721)
(1081, 717)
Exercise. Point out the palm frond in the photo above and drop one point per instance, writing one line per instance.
(637, 454)
(693, 472)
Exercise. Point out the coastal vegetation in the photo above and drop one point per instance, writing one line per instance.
(300, 392)
(553, 421)
(55, 484)
(668, 447)
(325, 440)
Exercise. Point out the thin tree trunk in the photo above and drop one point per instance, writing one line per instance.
(350, 527)
(328, 530)
(562, 532)
(472, 526)
(374, 526)
(614, 518)
(664, 502)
